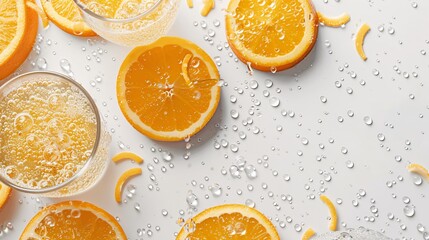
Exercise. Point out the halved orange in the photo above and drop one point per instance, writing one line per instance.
(73, 220)
(4, 194)
(229, 221)
(65, 14)
(156, 99)
(18, 24)
(271, 35)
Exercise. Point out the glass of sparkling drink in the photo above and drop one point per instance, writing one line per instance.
(129, 22)
(53, 141)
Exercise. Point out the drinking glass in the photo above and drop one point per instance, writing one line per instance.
(133, 23)
(53, 140)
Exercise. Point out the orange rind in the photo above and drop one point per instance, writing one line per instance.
(332, 211)
(337, 21)
(208, 6)
(124, 178)
(308, 234)
(418, 169)
(127, 155)
(360, 37)
(218, 222)
(42, 15)
(18, 23)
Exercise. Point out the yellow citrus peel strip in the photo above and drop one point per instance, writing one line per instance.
(333, 212)
(208, 6)
(190, 3)
(308, 234)
(185, 63)
(127, 155)
(42, 14)
(333, 21)
(122, 179)
(419, 169)
(360, 36)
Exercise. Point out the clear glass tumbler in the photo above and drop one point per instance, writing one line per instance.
(130, 23)
(53, 141)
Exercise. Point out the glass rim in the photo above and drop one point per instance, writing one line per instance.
(84, 9)
(94, 148)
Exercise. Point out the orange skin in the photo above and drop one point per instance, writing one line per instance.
(25, 45)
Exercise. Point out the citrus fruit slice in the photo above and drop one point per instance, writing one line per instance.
(73, 220)
(332, 211)
(229, 221)
(65, 14)
(18, 24)
(4, 194)
(154, 95)
(271, 35)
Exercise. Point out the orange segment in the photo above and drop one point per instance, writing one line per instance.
(127, 155)
(185, 68)
(65, 14)
(308, 234)
(332, 211)
(271, 35)
(18, 24)
(334, 21)
(122, 179)
(4, 194)
(154, 95)
(73, 220)
(418, 169)
(229, 221)
(360, 36)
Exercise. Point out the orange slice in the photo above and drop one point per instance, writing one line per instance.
(333, 212)
(271, 35)
(73, 220)
(334, 21)
(65, 14)
(418, 169)
(360, 36)
(229, 221)
(308, 234)
(42, 15)
(154, 95)
(127, 155)
(18, 24)
(122, 179)
(4, 194)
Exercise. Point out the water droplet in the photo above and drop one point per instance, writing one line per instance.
(250, 203)
(274, 102)
(367, 120)
(417, 180)
(268, 83)
(65, 65)
(350, 164)
(216, 190)
(409, 211)
(164, 212)
(391, 30)
(41, 63)
(297, 227)
(192, 200)
(253, 84)
(250, 171)
(323, 99)
(167, 156)
(234, 114)
(381, 137)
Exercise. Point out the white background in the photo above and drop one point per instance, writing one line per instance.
(385, 98)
